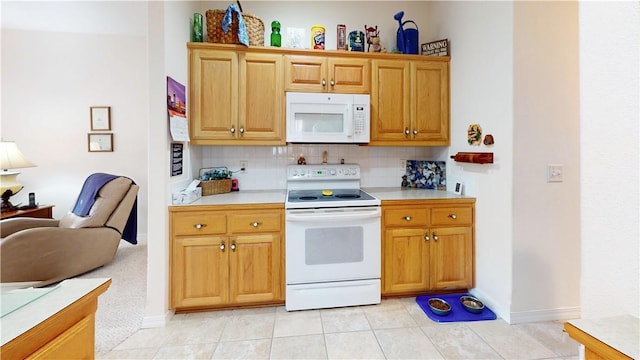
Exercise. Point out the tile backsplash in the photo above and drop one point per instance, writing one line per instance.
(266, 165)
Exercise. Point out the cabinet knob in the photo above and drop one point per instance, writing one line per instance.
(332, 83)
(233, 246)
(324, 82)
(406, 218)
(453, 216)
(406, 131)
(415, 132)
(199, 226)
(435, 237)
(233, 129)
(222, 247)
(426, 237)
(242, 130)
(255, 224)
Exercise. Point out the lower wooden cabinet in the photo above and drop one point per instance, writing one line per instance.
(226, 256)
(427, 246)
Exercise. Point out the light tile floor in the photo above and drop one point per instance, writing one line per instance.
(394, 329)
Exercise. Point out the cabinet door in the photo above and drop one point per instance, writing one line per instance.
(305, 73)
(430, 102)
(255, 268)
(406, 261)
(451, 256)
(213, 95)
(390, 111)
(199, 272)
(350, 76)
(261, 100)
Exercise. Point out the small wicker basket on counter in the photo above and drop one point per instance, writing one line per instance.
(215, 180)
(215, 34)
(212, 187)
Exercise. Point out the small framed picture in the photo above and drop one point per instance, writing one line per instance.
(458, 188)
(100, 142)
(100, 118)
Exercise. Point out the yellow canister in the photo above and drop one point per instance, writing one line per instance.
(317, 37)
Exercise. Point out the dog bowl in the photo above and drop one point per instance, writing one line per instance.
(439, 306)
(471, 304)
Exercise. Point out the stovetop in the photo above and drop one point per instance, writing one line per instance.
(300, 199)
(315, 186)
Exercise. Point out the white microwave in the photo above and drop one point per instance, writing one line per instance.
(327, 118)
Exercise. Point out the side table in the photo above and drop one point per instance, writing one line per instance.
(42, 211)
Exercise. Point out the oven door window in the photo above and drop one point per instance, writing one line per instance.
(334, 246)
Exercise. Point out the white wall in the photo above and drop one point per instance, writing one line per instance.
(481, 35)
(610, 157)
(546, 216)
(53, 69)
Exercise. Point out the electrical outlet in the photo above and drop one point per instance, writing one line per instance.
(243, 165)
(403, 164)
(554, 172)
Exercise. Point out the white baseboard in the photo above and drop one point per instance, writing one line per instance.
(156, 321)
(526, 316)
(545, 315)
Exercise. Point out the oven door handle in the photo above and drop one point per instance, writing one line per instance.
(324, 216)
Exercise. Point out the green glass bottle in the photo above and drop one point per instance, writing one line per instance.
(196, 33)
(275, 34)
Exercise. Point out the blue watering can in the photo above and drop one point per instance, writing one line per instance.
(406, 39)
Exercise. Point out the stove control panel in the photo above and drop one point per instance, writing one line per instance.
(323, 172)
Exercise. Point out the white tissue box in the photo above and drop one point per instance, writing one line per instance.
(186, 196)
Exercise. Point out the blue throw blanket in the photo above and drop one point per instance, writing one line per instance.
(87, 198)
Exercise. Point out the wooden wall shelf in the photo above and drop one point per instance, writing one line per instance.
(474, 157)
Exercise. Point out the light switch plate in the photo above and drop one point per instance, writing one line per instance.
(555, 172)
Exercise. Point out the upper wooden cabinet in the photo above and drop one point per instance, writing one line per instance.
(327, 74)
(235, 97)
(237, 94)
(410, 102)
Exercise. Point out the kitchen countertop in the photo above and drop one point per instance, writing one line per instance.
(276, 196)
(38, 309)
(398, 193)
(619, 332)
(241, 197)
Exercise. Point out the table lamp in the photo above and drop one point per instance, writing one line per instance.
(10, 158)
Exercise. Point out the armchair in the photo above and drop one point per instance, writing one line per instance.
(48, 250)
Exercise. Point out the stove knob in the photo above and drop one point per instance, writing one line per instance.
(332, 172)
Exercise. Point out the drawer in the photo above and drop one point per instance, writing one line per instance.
(451, 216)
(406, 217)
(199, 223)
(255, 222)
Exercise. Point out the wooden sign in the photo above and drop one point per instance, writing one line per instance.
(436, 48)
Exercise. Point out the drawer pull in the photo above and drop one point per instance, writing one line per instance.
(255, 224)
(241, 130)
(222, 247)
(233, 246)
(406, 131)
(426, 237)
(435, 237)
(324, 82)
(332, 83)
(233, 129)
(406, 218)
(199, 226)
(453, 216)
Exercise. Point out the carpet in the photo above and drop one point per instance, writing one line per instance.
(457, 313)
(121, 307)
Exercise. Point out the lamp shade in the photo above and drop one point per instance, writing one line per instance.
(11, 157)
